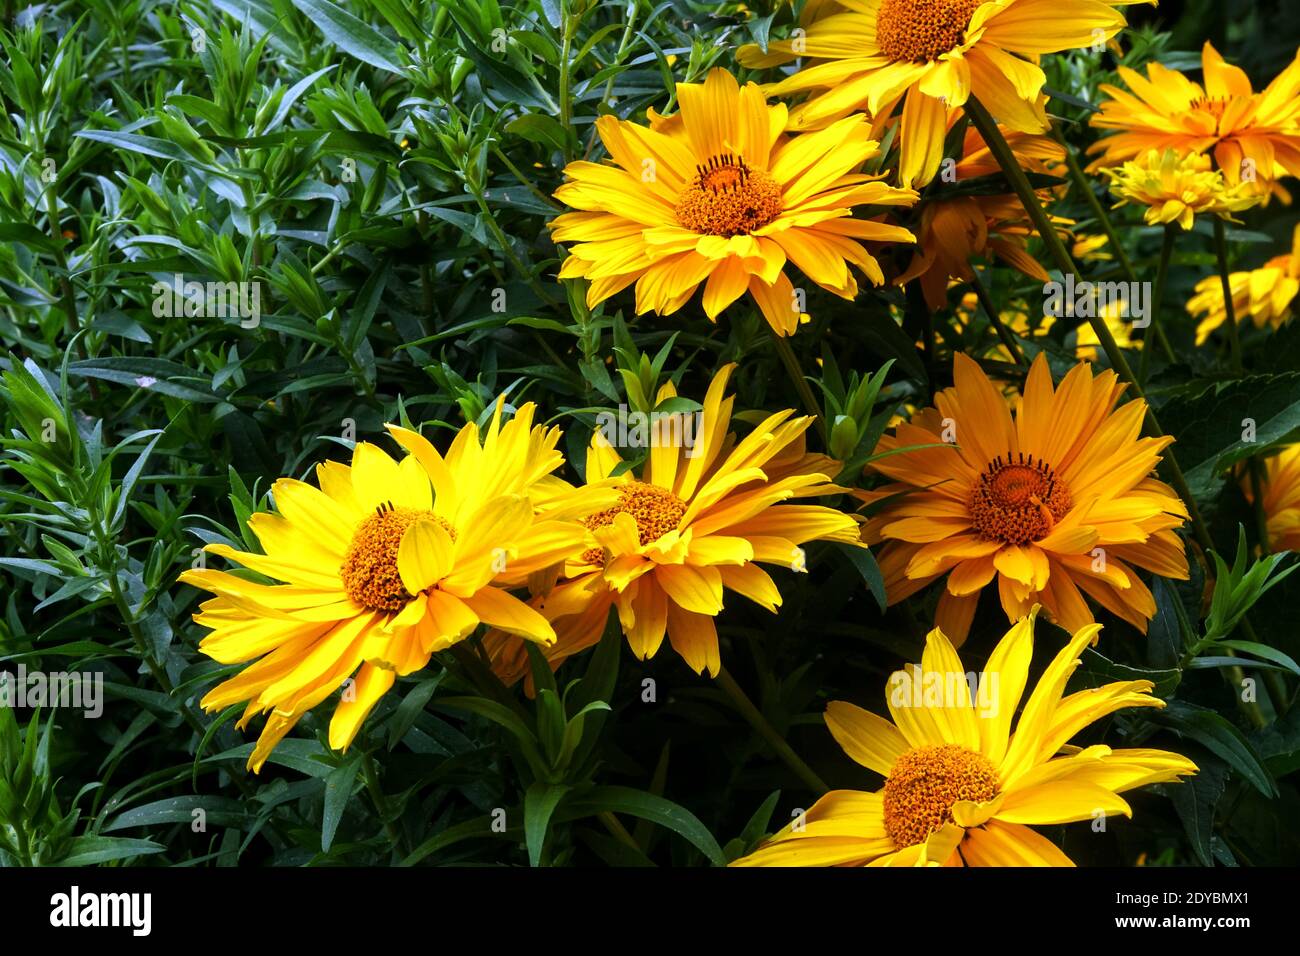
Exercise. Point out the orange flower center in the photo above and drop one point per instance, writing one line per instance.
(727, 198)
(1018, 501)
(926, 782)
(369, 571)
(918, 31)
(656, 512)
(1214, 105)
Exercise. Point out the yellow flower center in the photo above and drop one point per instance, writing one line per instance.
(369, 571)
(1018, 501)
(727, 198)
(924, 784)
(918, 31)
(656, 512)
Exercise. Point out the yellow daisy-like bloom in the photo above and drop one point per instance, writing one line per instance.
(933, 55)
(956, 229)
(1281, 498)
(1252, 135)
(695, 524)
(718, 194)
(961, 787)
(1060, 500)
(1177, 188)
(384, 564)
(1263, 295)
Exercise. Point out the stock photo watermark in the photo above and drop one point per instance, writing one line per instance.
(208, 300)
(67, 690)
(628, 428)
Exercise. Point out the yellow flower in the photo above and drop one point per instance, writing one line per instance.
(697, 522)
(1091, 248)
(961, 788)
(1177, 188)
(1058, 500)
(384, 564)
(1256, 134)
(956, 229)
(717, 194)
(1281, 498)
(1263, 295)
(932, 55)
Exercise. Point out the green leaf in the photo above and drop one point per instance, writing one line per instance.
(1195, 799)
(865, 562)
(647, 806)
(1212, 426)
(1095, 669)
(216, 811)
(1216, 734)
(540, 801)
(339, 786)
(89, 850)
(411, 707)
(351, 35)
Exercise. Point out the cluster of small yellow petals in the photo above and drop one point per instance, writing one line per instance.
(369, 571)
(1018, 501)
(1178, 188)
(918, 31)
(656, 512)
(926, 782)
(728, 198)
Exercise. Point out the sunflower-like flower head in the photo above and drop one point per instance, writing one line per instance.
(1057, 502)
(1280, 497)
(696, 522)
(933, 55)
(718, 195)
(1264, 295)
(1252, 136)
(1176, 188)
(962, 788)
(382, 565)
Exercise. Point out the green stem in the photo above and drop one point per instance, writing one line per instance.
(1276, 684)
(1005, 157)
(566, 37)
(1107, 227)
(995, 320)
(525, 181)
(765, 730)
(380, 801)
(1002, 152)
(801, 385)
(1157, 300)
(1229, 309)
(65, 284)
(508, 250)
(609, 84)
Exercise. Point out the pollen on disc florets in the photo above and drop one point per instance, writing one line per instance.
(656, 512)
(728, 198)
(926, 782)
(918, 31)
(1018, 500)
(369, 571)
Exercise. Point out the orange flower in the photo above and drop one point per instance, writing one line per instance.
(1056, 504)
